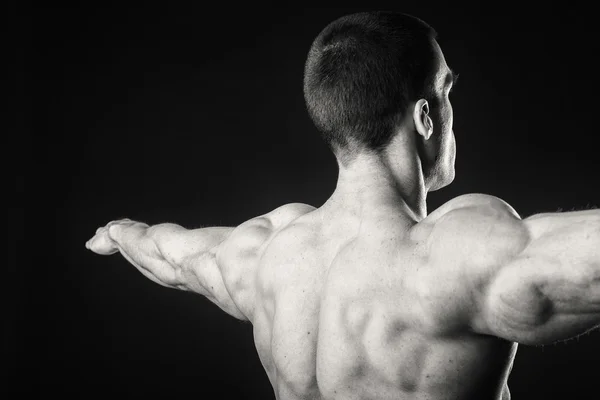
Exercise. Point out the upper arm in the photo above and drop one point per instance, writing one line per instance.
(529, 281)
(550, 290)
(466, 242)
(192, 257)
(238, 257)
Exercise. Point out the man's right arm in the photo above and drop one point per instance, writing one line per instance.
(550, 290)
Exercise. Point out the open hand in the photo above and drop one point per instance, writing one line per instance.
(101, 243)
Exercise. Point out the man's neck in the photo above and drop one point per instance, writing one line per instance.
(376, 184)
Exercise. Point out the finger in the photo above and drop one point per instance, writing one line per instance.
(96, 243)
(101, 245)
(91, 244)
(88, 244)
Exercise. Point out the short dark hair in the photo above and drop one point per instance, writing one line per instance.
(361, 73)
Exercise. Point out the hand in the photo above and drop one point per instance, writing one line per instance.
(101, 243)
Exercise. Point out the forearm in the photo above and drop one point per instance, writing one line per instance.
(136, 242)
(167, 253)
(172, 256)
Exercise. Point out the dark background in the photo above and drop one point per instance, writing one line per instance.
(196, 116)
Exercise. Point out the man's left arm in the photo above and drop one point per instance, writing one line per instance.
(217, 262)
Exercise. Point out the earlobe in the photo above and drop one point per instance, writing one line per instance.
(423, 123)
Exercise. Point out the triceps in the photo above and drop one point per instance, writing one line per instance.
(203, 276)
(193, 257)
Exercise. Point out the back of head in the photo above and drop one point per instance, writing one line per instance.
(361, 73)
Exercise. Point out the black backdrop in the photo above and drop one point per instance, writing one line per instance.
(196, 116)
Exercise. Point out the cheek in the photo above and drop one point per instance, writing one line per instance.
(453, 147)
(447, 117)
(447, 140)
(444, 119)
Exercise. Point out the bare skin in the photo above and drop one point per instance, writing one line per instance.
(367, 297)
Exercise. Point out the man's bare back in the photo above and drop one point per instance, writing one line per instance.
(348, 312)
(368, 296)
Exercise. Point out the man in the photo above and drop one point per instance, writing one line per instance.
(367, 296)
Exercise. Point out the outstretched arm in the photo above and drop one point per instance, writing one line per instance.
(219, 263)
(171, 256)
(550, 290)
(532, 281)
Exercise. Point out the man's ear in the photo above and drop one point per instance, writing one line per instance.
(423, 122)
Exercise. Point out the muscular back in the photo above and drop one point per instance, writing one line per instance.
(366, 303)
(371, 309)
